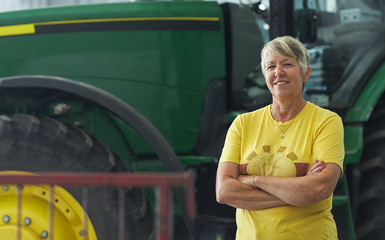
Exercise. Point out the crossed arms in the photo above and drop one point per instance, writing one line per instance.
(238, 190)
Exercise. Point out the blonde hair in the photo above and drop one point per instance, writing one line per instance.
(286, 46)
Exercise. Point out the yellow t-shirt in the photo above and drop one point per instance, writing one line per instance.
(254, 142)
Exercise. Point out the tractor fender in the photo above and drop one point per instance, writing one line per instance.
(108, 101)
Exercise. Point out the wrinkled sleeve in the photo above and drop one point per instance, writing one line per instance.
(329, 141)
(231, 151)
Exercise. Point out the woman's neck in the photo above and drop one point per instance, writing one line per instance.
(286, 111)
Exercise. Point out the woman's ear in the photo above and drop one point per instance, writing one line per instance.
(308, 71)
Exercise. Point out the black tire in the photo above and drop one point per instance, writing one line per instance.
(371, 202)
(33, 145)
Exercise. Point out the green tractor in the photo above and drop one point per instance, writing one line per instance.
(152, 86)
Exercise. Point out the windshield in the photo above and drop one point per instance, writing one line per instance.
(350, 37)
(350, 45)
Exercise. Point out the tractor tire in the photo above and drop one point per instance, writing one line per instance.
(371, 201)
(32, 145)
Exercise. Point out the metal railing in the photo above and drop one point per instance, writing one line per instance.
(163, 184)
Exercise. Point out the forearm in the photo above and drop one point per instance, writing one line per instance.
(236, 194)
(301, 191)
(297, 191)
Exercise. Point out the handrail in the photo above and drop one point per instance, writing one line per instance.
(162, 182)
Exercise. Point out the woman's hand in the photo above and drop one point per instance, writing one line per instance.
(316, 168)
(246, 179)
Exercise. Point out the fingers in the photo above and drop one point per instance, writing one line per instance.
(316, 168)
(245, 179)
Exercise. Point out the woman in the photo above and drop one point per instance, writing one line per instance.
(280, 164)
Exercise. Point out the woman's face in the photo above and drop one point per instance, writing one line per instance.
(284, 78)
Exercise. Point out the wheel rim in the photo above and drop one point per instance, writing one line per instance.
(68, 213)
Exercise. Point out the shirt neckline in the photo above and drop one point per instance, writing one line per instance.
(295, 119)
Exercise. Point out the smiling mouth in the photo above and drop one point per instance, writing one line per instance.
(281, 83)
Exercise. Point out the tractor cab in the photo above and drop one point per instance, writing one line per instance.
(346, 42)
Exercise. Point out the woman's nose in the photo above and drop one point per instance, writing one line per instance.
(279, 71)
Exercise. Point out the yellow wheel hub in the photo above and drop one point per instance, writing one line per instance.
(35, 221)
(9, 232)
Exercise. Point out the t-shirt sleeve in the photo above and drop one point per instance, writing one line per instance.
(329, 141)
(232, 148)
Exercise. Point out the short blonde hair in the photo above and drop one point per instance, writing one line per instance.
(286, 46)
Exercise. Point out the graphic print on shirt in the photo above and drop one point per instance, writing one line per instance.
(276, 164)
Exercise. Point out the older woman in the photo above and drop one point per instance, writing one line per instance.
(280, 164)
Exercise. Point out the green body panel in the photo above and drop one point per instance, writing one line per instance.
(353, 141)
(368, 98)
(162, 74)
(111, 133)
(360, 112)
(112, 10)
